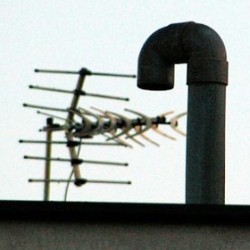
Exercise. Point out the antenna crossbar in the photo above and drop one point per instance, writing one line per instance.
(76, 161)
(84, 72)
(44, 107)
(79, 92)
(82, 181)
(72, 143)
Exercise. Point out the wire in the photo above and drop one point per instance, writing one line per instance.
(71, 174)
(67, 186)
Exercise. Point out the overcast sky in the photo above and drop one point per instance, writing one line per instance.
(106, 36)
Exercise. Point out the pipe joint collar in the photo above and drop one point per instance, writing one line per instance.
(202, 70)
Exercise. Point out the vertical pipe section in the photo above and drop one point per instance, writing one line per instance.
(203, 50)
(205, 163)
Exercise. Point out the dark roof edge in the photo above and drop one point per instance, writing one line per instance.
(108, 212)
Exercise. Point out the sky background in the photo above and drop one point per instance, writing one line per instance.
(106, 36)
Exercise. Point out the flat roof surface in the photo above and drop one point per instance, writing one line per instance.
(124, 212)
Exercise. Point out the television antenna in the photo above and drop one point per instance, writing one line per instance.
(115, 128)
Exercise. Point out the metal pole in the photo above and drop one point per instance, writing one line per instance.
(47, 170)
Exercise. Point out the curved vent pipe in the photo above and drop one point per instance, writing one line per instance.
(207, 76)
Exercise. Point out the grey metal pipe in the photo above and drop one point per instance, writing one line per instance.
(207, 76)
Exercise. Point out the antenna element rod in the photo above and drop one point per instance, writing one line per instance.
(83, 181)
(83, 71)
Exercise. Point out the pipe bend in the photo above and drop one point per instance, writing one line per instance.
(195, 44)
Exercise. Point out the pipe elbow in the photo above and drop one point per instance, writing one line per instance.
(195, 44)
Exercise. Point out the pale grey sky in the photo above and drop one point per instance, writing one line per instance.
(107, 36)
